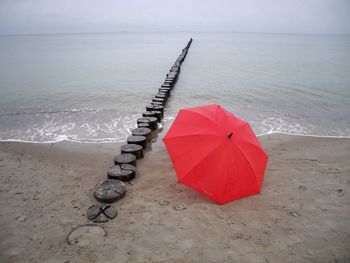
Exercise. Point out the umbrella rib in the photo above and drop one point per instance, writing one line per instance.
(240, 127)
(225, 114)
(227, 172)
(252, 144)
(227, 122)
(251, 167)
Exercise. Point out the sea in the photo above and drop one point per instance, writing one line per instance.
(92, 87)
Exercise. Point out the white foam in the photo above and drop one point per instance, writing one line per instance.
(304, 135)
(169, 118)
(62, 138)
(88, 128)
(277, 124)
(116, 127)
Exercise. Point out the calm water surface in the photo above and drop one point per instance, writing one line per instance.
(92, 87)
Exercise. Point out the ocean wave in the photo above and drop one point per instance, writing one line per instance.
(63, 138)
(90, 127)
(111, 126)
(28, 112)
(304, 135)
(304, 127)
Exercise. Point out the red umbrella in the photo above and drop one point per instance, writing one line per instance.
(216, 153)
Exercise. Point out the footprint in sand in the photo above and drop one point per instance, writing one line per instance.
(237, 235)
(179, 207)
(302, 188)
(339, 192)
(164, 202)
(88, 235)
(293, 213)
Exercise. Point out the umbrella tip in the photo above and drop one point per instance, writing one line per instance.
(230, 135)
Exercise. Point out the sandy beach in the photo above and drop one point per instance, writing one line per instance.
(80, 79)
(302, 214)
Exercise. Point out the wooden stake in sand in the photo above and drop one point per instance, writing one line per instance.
(113, 189)
(109, 191)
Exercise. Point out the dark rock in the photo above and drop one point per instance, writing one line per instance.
(155, 108)
(164, 93)
(126, 166)
(125, 158)
(101, 213)
(134, 149)
(157, 103)
(140, 140)
(161, 96)
(148, 114)
(165, 90)
(143, 125)
(93, 211)
(109, 191)
(101, 218)
(143, 120)
(162, 101)
(110, 211)
(152, 121)
(158, 115)
(116, 172)
(170, 82)
(143, 132)
(166, 86)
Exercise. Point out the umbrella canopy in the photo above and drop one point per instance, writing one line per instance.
(216, 153)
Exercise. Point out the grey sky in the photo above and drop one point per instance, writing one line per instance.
(67, 16)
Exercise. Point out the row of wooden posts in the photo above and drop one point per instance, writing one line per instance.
(124, 170)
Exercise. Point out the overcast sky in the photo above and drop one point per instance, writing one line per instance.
(277, 16)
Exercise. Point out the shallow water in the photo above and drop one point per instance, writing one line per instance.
(92, 87)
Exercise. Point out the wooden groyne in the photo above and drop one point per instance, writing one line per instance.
(124, 170)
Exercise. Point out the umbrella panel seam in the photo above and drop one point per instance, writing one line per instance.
(227, 176)
(249, 164)
(254, 145)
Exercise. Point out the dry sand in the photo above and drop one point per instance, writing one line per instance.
(302, 214)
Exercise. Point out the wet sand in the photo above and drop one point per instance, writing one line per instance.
(302, 214)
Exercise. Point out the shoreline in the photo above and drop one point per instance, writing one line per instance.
(105, 141)
(302, 213)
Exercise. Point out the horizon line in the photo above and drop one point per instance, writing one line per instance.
(171, 31)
